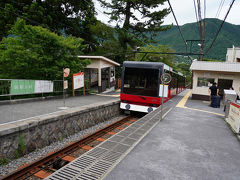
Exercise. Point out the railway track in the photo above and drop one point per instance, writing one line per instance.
(44, 167)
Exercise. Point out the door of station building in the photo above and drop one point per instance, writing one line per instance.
(105, 78)
(224, 84)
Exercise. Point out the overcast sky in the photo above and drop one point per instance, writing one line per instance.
(185, 13)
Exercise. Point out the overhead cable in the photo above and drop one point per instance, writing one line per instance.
(219, 29)
(219, 8)
(177, 24)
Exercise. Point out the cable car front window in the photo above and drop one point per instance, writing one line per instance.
(142, 82)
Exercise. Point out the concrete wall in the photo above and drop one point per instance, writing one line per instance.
(216, 75)
(41, 131)
(232, 54)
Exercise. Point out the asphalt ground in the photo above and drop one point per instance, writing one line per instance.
(191, 142)
(24, 110)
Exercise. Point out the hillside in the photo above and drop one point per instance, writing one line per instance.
(229, 35)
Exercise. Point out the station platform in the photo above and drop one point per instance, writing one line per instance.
(21, 109)
(191, 142)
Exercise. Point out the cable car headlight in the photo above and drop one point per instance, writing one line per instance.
(127, 106)
(150, 109)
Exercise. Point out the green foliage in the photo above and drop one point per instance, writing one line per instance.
(69, 16)
(60, 139)
(3, 161)
(228, 36)
(102, 32)
(21, 147)
(165, 58)
(168, 59)
(86, 84)
(33, 52)
(136, 28)
(185, 69)
(107, 38)
(213, 60)
(7, 18)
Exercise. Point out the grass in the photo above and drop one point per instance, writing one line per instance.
(3, 161)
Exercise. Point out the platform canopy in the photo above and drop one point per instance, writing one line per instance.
(100, 63)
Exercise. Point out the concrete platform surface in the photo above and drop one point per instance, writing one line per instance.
(188, 144)
(19, 111)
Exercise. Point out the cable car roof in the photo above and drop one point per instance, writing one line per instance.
(141, 64)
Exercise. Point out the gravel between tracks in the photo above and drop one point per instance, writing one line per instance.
(33, 156)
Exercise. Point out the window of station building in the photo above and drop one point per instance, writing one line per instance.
(205, 82)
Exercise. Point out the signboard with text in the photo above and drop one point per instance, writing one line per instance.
(78, 80)
(30, 86)
(163, 91)
(43, 86)
(22, 86)
(65, 84)
(234, 117)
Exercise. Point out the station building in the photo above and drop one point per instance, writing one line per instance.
(233, 54)
(100, 73)
(225, 74)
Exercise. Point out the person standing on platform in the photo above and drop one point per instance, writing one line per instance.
(213, 91)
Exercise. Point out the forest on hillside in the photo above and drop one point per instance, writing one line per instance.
(228, 36)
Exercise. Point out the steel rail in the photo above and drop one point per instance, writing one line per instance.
(62, 152)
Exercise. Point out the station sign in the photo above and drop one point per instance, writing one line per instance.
(163, 90)
(166, 78)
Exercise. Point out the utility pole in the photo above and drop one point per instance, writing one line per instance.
(202, 40)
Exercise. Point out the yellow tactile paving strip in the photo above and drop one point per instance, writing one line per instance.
(110, 95)
(182, 103)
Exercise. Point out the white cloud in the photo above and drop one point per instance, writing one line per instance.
(185, 13)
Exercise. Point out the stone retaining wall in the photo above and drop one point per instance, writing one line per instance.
(25, 136)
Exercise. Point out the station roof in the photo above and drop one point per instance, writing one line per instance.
(100, 57)
(215, 66)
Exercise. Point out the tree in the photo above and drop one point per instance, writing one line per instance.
(136, 28)
(33, 52)
(185, 69)
(170, 60)
(102, 32)
(68, 16)
(165, 58)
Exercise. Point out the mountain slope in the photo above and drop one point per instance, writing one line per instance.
(228, 36)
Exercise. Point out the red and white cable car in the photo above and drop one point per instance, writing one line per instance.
(140, 86)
